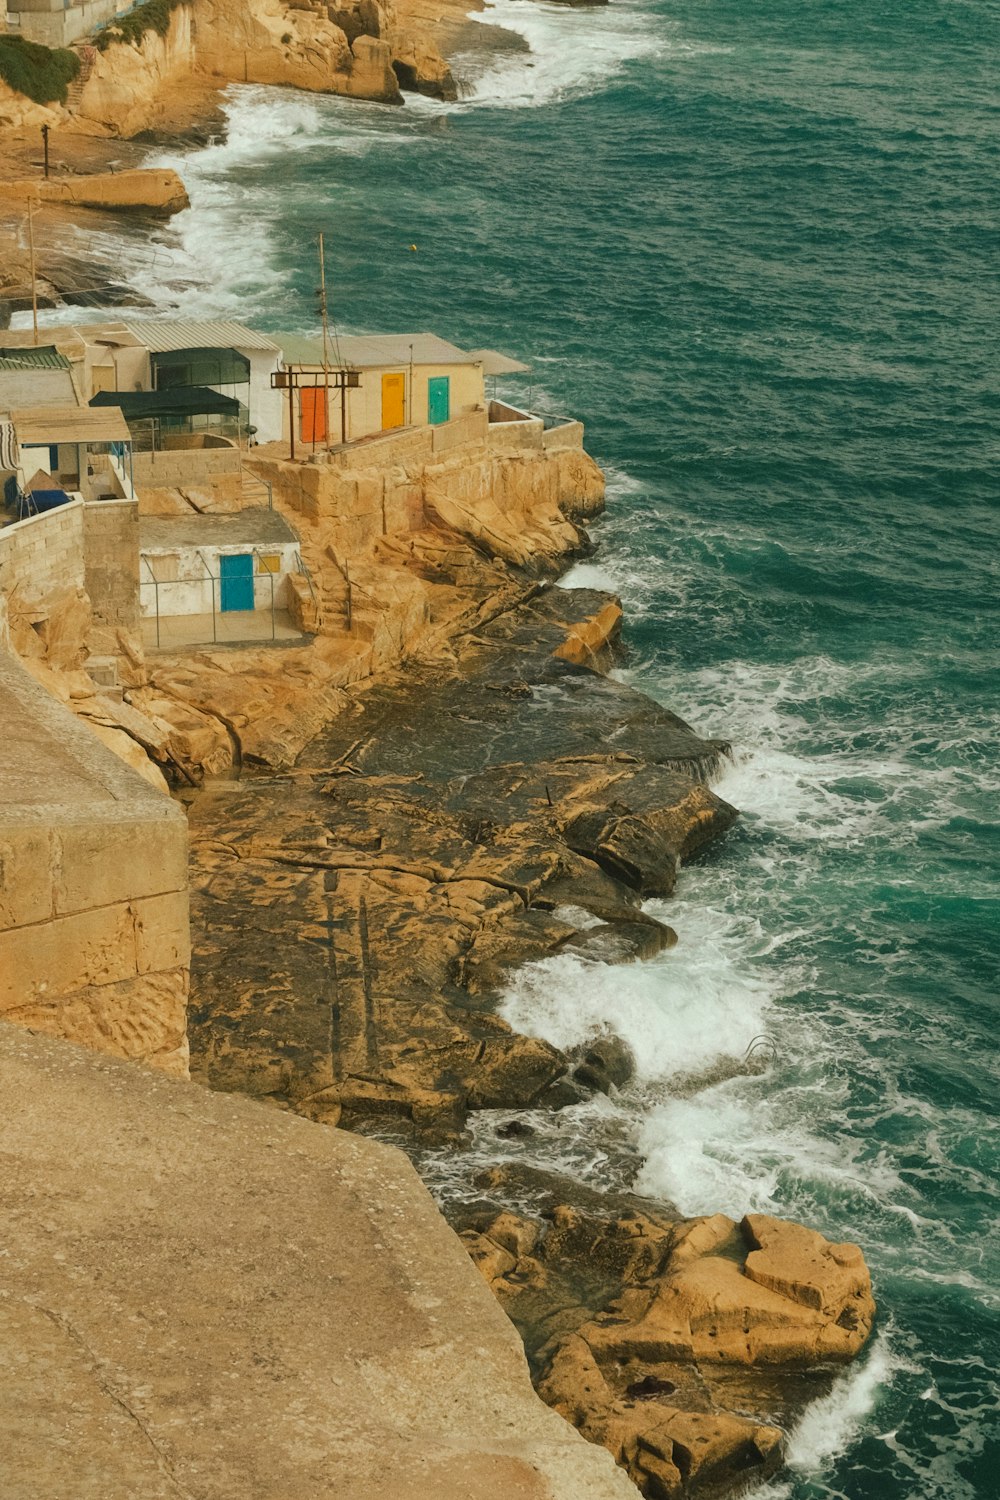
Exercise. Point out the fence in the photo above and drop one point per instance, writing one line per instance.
(199, 590)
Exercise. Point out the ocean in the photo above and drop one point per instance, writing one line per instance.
(755, 249)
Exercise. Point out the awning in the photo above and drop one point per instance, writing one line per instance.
(494, 363)
(48, 425)
(181, 401)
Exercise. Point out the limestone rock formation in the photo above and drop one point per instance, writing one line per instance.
(123, 88)
(158, 190)
(297, 44)
(650, 1336)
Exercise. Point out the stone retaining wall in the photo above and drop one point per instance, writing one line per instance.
(94, 942)
(111, 561)
(40, 557)
(183, 466)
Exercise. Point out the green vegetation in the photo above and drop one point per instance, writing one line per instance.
(153, 16)
(40, 73)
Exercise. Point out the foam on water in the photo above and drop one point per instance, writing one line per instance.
(679, 1013)
(564, 59)
(830, 1425)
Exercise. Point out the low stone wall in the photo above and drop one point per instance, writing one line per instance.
(39, 557)
(510, 428)
(94, 942)
(566, 435)
(470, 427)
(524, 432)
(111, 561)
(183, 466)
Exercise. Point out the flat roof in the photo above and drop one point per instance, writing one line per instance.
(161, 336)
(63, 337)
(42, 425)
(254, 527)
(374, 350)
(495, 363)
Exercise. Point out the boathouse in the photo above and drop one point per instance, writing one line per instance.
(401, 380)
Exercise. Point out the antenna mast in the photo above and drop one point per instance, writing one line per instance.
(34, 284)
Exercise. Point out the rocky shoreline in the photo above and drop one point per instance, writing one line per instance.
(452, 823)
(373, 858)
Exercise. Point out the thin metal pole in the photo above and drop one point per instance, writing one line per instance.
(45, 143)
(291, 415)
(326, 334)
(34, 287)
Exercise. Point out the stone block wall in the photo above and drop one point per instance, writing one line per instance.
(94, 943)
(184, 465)
(39, 558)
(111, 561)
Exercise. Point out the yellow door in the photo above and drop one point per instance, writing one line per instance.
(393, 400)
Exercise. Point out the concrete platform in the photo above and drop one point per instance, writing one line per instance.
(205, 1298)
(235, 627)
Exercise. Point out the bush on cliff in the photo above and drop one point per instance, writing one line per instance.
(153, 16)
(39, 73)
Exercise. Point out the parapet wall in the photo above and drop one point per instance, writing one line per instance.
(40, 557)
(183, 466)
(94, 943)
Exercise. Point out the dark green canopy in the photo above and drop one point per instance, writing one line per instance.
(182, 401)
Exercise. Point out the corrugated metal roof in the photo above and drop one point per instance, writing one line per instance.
(45, 358)
(159, 337)
(70, 424)
(375, 351)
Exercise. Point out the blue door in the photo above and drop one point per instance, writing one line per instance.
(439, 398)
(236, 581)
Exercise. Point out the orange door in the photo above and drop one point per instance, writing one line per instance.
(313, 414)
(393, 400)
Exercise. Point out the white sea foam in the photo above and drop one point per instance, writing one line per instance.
(679, 1013)
(830, 1425)
(570, 54)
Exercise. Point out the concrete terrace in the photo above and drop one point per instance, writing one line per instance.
(204, 1297)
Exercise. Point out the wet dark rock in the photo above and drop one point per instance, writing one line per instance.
(427, 855)
(606, 1063)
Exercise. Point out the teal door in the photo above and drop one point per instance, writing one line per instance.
(236, 581)
(439, 398)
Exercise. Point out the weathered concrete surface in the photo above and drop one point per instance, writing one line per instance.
(208, 1299)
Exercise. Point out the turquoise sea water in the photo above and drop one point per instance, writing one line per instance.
(755, 248)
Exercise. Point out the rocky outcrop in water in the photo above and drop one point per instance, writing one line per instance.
(152, 190)
(683, 1347)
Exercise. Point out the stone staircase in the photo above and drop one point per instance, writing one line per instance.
(74, 94)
